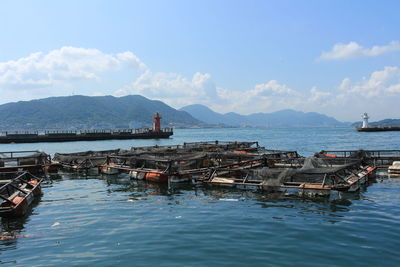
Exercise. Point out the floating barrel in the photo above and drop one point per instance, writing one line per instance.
(159, 177)
(16, 200)
(240, 152)
(371, 172)
(137, 175)
(33, 182)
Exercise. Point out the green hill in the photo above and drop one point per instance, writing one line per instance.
(80, 112)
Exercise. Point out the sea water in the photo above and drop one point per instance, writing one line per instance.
(111, 220)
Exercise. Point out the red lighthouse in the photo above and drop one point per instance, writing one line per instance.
(156, 122)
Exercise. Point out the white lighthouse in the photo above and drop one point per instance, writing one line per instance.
(365, 120)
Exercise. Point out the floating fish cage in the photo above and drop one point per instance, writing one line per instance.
(86, 161)
(33, 161)
(314, 177)
(180, 166)
(377, 158)
(244, 165)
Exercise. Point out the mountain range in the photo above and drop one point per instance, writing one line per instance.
(282, 118)
(135, 111)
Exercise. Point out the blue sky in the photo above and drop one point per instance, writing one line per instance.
(340, 58)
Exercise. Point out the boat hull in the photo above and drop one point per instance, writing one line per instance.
(18, 203)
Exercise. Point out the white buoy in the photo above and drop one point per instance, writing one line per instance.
(365, 120)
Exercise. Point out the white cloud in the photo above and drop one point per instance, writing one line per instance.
(178, 91)
(318, 96)
(272, 88)
(172, 88)
(345, 102)
(40, 70)
(345, 84)
(266, 97)
(382, 82)
(352, 49)
(377, 94)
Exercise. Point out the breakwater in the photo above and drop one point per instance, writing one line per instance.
(84, 135)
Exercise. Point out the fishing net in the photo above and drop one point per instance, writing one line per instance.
(313, 170)
(177, 163)
(85, 159)
(23, 158)
(174, 158)
(274, 177)
(314, 162)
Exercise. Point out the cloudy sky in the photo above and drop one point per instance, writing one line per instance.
(340, 58)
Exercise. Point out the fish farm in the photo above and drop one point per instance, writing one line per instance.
(239, 165)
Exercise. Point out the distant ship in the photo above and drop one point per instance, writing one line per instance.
(366, 128)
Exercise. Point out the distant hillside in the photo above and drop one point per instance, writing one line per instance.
(78, 112)
(204, 114)
(385, 122)
(283, 118)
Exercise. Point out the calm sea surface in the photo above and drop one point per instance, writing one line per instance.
(112, 221)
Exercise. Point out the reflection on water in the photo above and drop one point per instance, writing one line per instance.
(139, 188)
(12, 229)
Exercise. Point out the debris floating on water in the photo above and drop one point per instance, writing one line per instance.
(56, 224)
